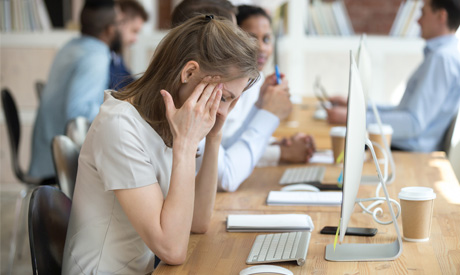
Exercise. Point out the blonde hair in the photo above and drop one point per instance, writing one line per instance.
(216, 44)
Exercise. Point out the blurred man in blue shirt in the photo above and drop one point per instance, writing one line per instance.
(432, 95)
(77, 80)
(133, 17)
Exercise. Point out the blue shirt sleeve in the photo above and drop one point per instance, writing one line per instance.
(87, 86)
(424, 97)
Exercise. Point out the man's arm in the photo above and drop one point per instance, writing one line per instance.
(424, 97)
(86, 90)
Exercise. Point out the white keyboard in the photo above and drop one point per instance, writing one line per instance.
(280, 247)
(311, 174)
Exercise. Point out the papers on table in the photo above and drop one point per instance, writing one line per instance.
(269, 223)
(304, 198)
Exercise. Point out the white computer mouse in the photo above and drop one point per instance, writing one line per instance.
(261, 269)
(300, 187)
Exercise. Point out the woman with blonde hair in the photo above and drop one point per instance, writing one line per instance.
(137, 194)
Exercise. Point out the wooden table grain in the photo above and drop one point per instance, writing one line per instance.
(220, 252)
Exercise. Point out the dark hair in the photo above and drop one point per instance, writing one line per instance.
(96, 16)
(191, 8)
(217, 45)
(246, 11)
(132, 9)
(452, 8)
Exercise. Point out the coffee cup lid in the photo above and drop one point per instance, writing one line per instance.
(416, 193)
(338, 131)
(375, 129)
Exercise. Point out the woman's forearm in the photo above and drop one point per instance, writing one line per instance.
(176, 215)
(206, 186)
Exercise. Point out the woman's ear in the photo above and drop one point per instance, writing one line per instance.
(190, 69)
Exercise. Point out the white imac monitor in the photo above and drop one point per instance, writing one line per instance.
(355, 142)
(363, 60)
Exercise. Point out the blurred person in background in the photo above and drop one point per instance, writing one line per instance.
(76, 83)
(247, 134)
(432, 96)
(132, 18)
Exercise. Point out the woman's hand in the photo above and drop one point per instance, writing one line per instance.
(193, 121)
(216, 131)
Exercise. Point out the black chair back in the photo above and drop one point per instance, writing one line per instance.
(49, 213)
(14, 130)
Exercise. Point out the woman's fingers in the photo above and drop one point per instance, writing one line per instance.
(169, 103)
(216, 102)
(199, 89)
(206, 94)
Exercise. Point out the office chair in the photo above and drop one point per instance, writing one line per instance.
(39, 86)
(14, 136)
(65, 158)
(76, 130)
(49, 213)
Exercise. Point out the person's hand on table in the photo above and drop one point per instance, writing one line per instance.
(338, 101)
(337, 115)
(298, 148)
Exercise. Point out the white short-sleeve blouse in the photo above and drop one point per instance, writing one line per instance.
(121, 151)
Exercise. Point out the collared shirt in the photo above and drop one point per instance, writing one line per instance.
(431, 99)
(75, 87)
(246, 137)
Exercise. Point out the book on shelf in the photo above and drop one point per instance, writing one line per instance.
(329, 18)
(405, 23)
(24, 15)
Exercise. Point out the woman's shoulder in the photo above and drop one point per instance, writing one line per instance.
(118, 118)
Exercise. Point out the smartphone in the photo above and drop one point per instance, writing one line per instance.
(352, 231)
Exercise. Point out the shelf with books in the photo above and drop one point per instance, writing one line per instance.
(347, 17)
(405, 23)
(24, 15)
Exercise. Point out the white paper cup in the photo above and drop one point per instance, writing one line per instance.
(338, 140)
(374, 135)
(417, 212)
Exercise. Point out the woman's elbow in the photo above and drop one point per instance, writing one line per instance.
(201, 229)
(176, 257)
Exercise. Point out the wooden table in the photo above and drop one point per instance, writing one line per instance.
(220, 252)
(301, 120)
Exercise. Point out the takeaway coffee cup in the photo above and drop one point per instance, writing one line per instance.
(338, 140)
(374, 135)
(417, 212)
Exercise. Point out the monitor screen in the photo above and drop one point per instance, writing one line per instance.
(364, 63)
(354, 146)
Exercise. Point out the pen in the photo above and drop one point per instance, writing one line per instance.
(278, 76)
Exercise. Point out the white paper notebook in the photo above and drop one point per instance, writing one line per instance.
(269, 223)
(304, 198)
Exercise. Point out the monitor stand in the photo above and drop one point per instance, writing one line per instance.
(359, 252)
